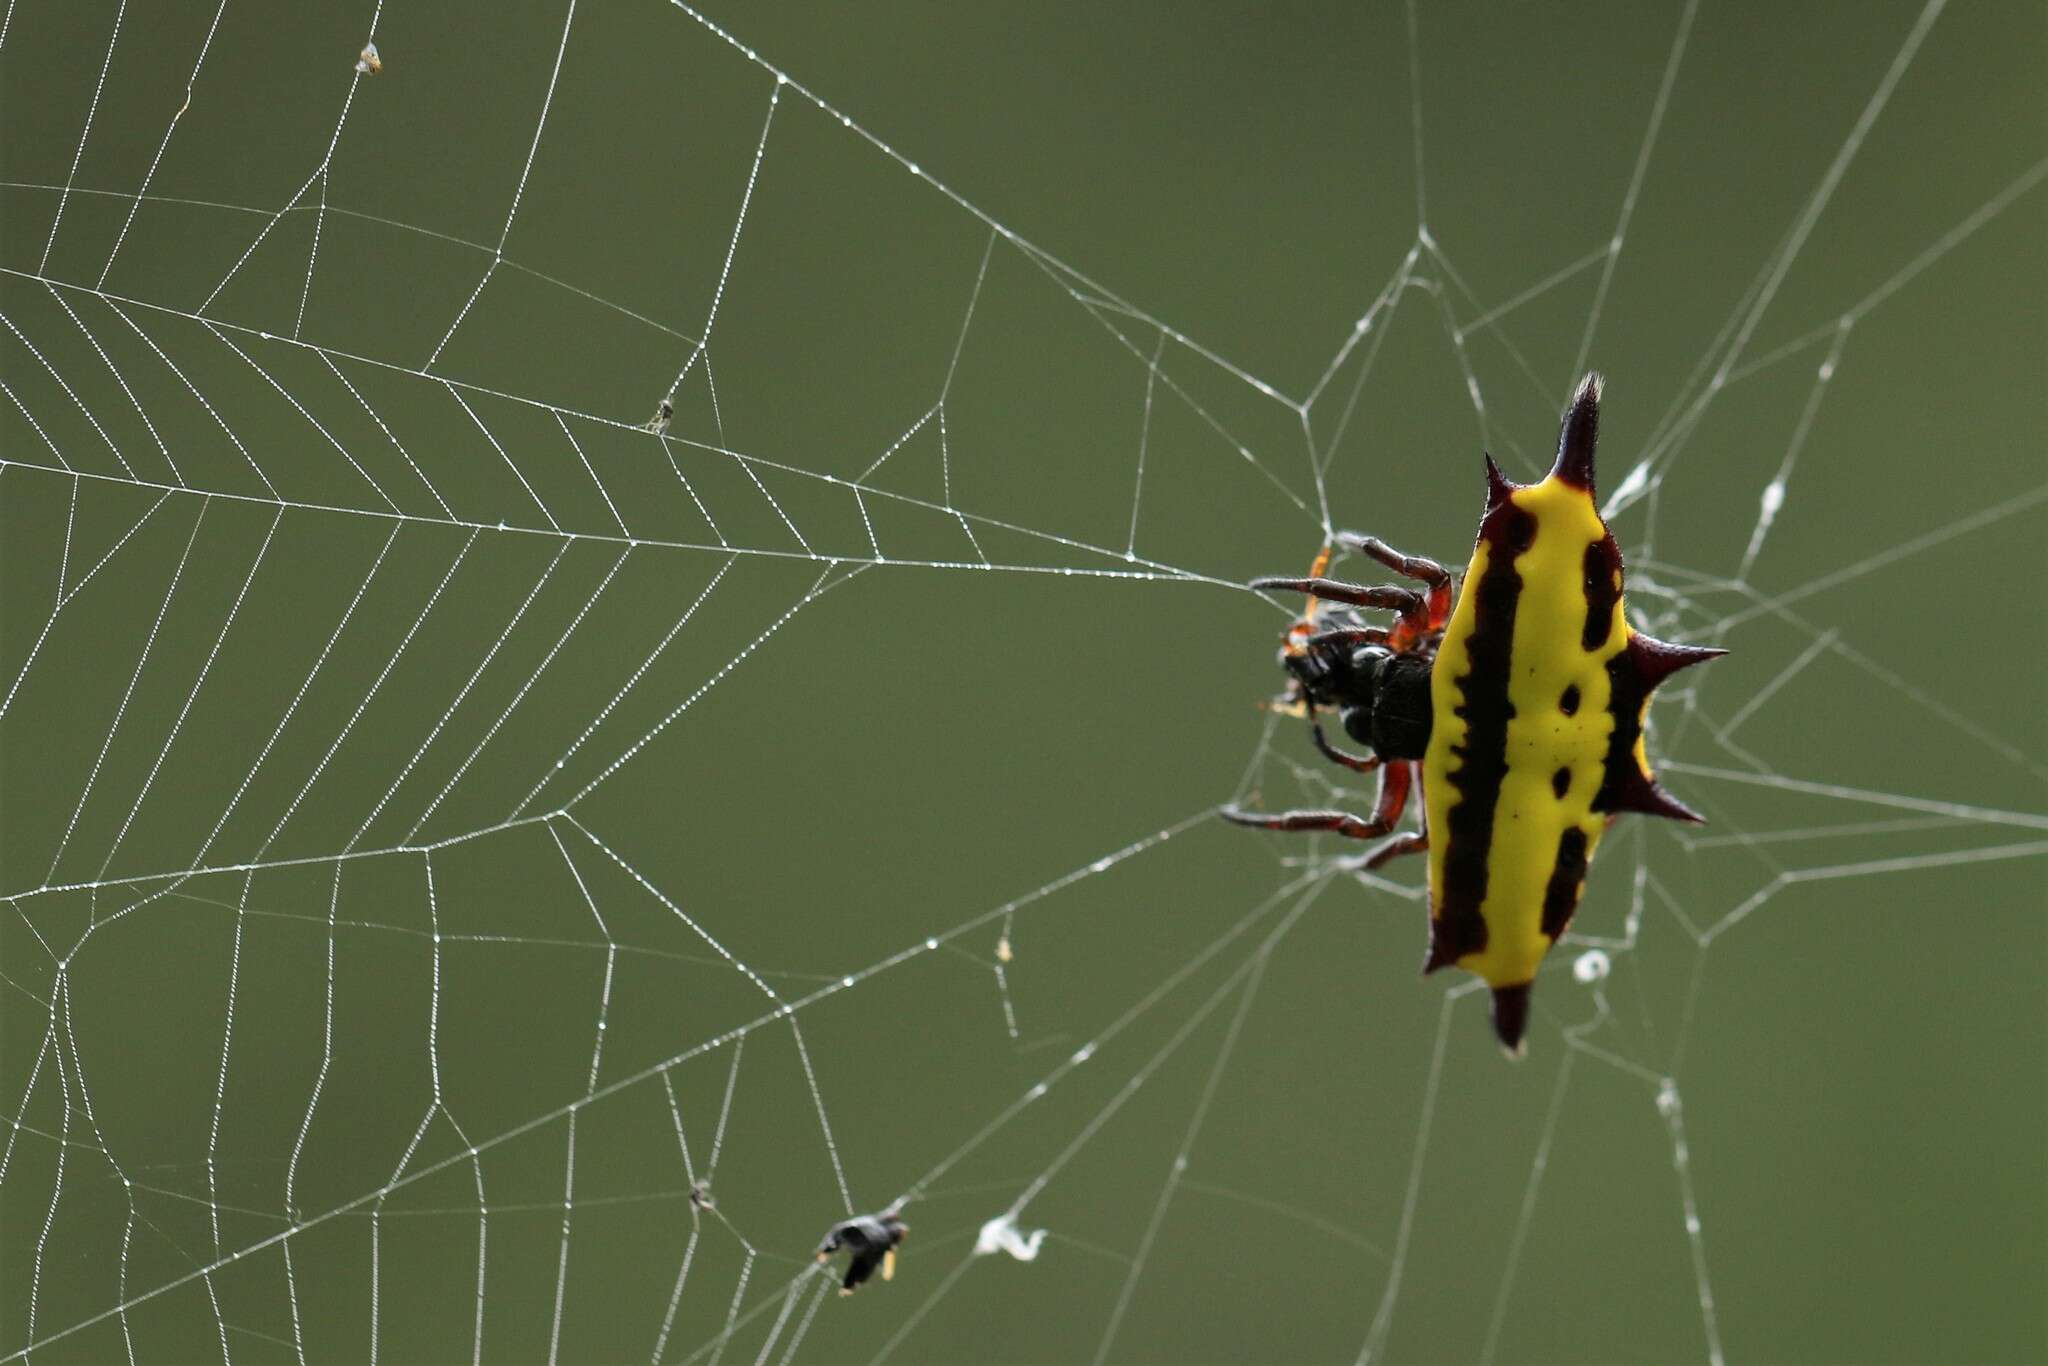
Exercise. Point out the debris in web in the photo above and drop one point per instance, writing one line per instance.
(1001, 1234)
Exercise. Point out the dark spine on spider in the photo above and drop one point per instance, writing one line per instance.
(1456, 926)
(1578, 436)
(1632, 675)
(1511, 1015)
(1498, 487)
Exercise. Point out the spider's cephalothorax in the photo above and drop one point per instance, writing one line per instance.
(1380, 695)
(1521, 712)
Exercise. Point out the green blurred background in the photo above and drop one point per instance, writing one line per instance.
(314, 590)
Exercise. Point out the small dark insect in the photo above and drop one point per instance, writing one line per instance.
(658, 424)
(873, 1239)
(700, 1196)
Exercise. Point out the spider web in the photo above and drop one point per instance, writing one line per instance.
(491, 875)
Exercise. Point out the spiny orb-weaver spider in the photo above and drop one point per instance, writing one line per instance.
(1520, 710)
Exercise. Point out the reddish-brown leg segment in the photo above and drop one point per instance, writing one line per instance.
(1414, 566)
(1403, 600)
(1411, 607)
(1414, 842)
(1395, 780)
(1347, 635)
(1410, 842)
(1356, 763)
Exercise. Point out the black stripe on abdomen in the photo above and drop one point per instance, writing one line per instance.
(1567, 878)
(1457, 927)
(1601, 584)
(1626, 698)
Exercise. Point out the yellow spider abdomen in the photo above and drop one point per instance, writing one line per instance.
(1538, 692)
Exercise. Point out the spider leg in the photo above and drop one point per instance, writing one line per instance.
(1343, 822)
(1406, 601)
(1412, 842)
(1408, 842)
(1355, 763)
(1414, 566)
(1394, 783)
(1347, 635)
